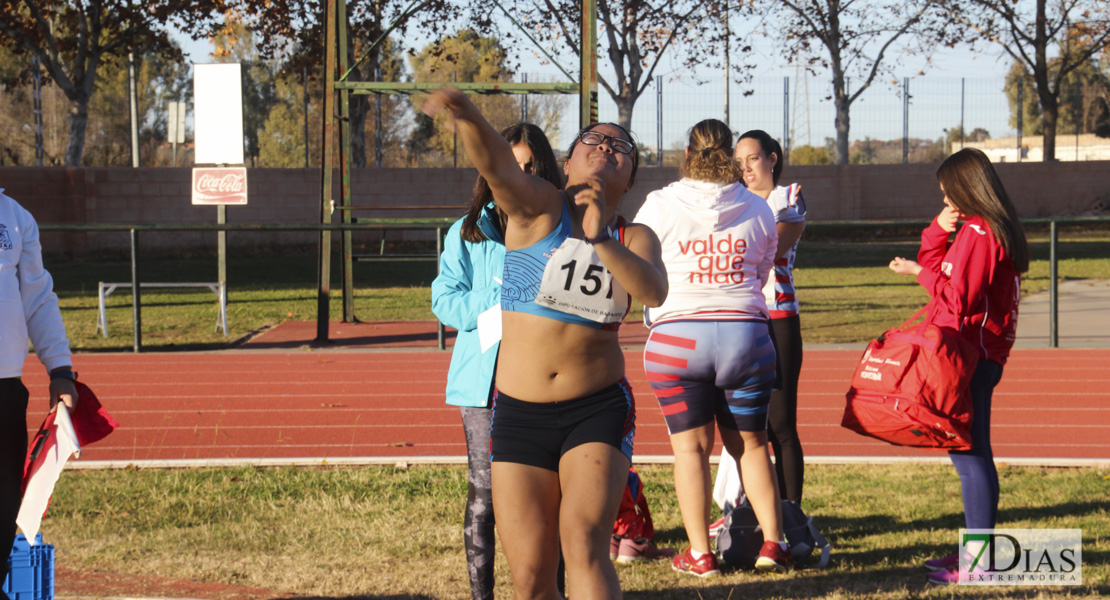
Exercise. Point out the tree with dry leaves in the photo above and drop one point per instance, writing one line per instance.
(294, 31)
(464, 57)
(858, 41)
(1050, 39)
(73, 39)
(635, 35)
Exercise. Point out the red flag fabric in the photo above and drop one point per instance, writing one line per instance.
(91, 423)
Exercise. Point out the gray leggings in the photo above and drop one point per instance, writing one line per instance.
(478, 525)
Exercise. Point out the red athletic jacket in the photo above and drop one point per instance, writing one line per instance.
(973, 284)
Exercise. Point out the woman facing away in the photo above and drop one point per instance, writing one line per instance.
(469, 284)
(761, 163)
(563, 416)
(709, 357)
(974, 284)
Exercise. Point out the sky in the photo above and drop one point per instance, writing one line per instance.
(958, 82)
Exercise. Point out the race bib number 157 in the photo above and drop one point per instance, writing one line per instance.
(575, 282)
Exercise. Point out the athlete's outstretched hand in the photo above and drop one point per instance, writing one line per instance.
(448, 99)
(904, 266)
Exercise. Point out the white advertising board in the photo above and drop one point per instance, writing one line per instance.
(218, 114)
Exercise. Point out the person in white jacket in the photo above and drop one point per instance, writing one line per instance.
(709, 357)
(28, 313)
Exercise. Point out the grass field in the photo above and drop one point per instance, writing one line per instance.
(385, 532)
(846, 291)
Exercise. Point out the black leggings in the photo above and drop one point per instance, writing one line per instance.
(13, 452)
(782, 417)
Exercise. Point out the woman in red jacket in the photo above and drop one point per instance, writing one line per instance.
(974, 283)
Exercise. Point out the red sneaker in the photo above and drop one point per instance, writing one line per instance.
(773, 558)
(614, 547)
(641, 549)
(702, 567)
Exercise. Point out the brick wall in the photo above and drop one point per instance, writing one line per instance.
(125, 195)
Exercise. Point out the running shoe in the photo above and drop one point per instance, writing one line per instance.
(642, 549)
(716, 527)
(702, 567)
(944, 576)
(943, 564)
(952, 576)
(773, 558)
(614, 547)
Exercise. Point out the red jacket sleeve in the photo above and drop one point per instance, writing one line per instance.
(934, 244)
(960, 281)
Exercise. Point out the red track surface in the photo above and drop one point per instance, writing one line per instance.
(245, 404)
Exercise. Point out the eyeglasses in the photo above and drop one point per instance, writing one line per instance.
(596, 138)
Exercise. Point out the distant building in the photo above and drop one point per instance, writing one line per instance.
(1085, 146)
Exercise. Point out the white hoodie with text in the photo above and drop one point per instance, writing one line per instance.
(719, 243)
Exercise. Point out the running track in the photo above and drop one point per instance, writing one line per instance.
(387, 405)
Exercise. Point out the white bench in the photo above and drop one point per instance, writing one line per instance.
(106, 289)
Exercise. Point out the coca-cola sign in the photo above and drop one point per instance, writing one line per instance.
(227, 185)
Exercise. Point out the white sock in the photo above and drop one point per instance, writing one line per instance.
(696, 555)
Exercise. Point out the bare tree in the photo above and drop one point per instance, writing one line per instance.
(852, 38)
(71, 39)
(634, 34)
(1049, 38)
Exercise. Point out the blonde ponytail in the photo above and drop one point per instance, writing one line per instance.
(709, 154)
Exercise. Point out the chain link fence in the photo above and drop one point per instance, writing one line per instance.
(916, 119)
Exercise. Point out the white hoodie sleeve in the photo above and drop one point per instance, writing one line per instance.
(783, 204)
(45, 328)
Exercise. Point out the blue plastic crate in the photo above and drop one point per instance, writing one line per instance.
(30, 570)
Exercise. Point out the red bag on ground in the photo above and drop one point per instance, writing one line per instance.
(912, 388)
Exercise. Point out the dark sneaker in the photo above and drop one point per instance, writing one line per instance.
(943, 564)
(642, 549)
(773, 558)
(702, 567)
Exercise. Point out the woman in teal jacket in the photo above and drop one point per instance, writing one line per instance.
(468, 284)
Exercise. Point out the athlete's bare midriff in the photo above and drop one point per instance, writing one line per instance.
(544, 360)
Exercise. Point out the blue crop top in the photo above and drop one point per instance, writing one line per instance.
(524, 271)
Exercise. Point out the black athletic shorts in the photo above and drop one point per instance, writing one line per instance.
(540, 433)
